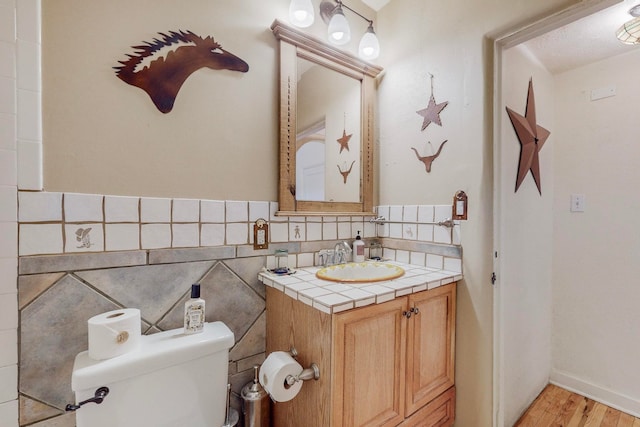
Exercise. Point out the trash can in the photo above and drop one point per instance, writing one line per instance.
(256, 405)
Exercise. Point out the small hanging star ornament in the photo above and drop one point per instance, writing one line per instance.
(344, 141)
(431, 114)
(532, 137)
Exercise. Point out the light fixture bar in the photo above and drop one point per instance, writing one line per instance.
(347, 7)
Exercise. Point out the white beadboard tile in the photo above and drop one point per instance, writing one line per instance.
(212, 211)
(186, 210)
(410, 213)
(442, 213)
(29, 21)
(8, 203)
(329, 231)
(8, 99)
(9, 346)
(305, 260)
(7, 24)
(344, 230)
(395, 231)
(155, 236)
(297, 232)
(122, 237)
(425, 213)
(155, 210)
(84, 238)
(457, 237)
(39, 206)
(28, 66)
(237, 233)
(435, 261)
(425, 233)
(121, 209)
(402, 256)
(314, 231)
(9, 381)
(30, 175)
(8, 167)
(237, 211)
(29, 115)
(7, 60)
(9, 412)
(212, 235)
(279, 232)
(453, 264)
(409, 231)
(441, 234)
(258, 210)
(82, 207)
(395, 213)
(418, 258)
(8, 275)
(36, 239)
(186, 235)
(9, 312)
(8, 135)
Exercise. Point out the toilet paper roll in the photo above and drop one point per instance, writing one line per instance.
(273, 374)
(114, 333)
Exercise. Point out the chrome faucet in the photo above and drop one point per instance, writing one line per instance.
(341, 252)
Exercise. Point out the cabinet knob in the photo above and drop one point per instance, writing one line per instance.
(406, 314)
(415, 310)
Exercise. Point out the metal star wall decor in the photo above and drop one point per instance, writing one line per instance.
(532, 137)
(431, 114)
(344, 141)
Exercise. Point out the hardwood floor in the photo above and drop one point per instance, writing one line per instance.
(558, 407)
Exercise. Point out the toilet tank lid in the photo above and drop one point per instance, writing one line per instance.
(157, 351)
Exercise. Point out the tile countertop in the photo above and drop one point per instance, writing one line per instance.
(334, 297)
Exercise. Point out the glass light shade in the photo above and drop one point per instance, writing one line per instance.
(369, 47)
(339, 31)
(629, 32)
(301, 13)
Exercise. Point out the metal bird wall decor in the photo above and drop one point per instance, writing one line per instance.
(532, 137)
(163, 77)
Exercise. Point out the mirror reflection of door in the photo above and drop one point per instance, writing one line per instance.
(328, 106)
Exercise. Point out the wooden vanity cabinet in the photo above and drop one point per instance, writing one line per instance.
(379, 366)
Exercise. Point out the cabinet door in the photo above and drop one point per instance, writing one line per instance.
(430, 346)
(368, 365)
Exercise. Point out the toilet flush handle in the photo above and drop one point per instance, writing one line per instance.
(98, 397)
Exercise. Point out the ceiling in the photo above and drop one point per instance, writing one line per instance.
(584, 41)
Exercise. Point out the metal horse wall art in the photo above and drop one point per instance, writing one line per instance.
(164, 76)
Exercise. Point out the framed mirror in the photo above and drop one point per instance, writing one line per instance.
(326, 127)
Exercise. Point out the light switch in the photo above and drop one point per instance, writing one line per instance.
(577, 203)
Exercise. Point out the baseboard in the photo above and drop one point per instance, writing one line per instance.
(600, 394)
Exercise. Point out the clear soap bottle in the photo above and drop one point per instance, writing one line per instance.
(194, 310)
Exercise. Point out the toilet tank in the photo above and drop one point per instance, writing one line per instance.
(172, 380)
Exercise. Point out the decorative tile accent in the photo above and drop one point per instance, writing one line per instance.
(247, 269)
(409, 231)
(71, 262)
(40, 206)
(166, 256)
(297, 231)
(121, 209)
(122, 237)
(155, 236)
(212, 211)
(186, 210)
(237, 211)
(84, 238)
(82, 207)
(155, 210)
(39, 239)
(212, 234)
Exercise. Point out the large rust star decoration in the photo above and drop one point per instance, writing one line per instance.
(344, 141)
(431, 114)
(532, 137)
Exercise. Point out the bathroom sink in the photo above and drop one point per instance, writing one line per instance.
(355, 272)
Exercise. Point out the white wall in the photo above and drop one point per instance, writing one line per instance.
(596, 253)
(525, 240)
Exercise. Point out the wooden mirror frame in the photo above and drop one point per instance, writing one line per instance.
(296, 44)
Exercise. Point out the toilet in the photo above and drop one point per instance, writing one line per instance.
(172, 380)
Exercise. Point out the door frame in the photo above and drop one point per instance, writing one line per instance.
(499, 42)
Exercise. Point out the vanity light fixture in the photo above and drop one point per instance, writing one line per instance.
(629, 32)
(340, 32)
(301, 13)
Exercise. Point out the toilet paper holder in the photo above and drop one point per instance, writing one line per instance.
(310, 373)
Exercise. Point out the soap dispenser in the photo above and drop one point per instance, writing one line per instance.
(194, 310)
(358, 249)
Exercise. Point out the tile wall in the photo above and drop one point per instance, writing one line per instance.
(116, 251)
